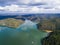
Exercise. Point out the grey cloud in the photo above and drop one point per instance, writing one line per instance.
(36, 4)
(6, 2)
(18, 2)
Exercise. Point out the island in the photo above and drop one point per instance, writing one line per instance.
(11, 22)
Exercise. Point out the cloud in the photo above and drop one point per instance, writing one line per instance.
(6, 2)
(13, 8)
(32, 9)
(30, 6)
(50, 2)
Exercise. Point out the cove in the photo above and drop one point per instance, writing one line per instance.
(26, 34)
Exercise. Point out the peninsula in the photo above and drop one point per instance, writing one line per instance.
(11, 22)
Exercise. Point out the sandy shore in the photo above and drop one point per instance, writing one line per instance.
(48, 30)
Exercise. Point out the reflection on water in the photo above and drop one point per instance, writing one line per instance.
(25, 34)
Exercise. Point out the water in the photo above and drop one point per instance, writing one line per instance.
(26, 34)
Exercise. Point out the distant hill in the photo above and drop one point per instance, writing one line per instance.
(29, 16)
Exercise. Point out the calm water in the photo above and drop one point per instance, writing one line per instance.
(26, 34)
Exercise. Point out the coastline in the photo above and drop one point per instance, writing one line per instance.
(49, 31)
(42, 40)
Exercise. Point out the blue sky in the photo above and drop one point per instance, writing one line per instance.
(29, 6)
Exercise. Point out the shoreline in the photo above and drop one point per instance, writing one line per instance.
(48, 30)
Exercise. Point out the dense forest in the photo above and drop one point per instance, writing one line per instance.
(52, 39)
(53, 25)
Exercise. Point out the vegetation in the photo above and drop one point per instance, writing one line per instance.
(53, 25)
(10, 22)
(52, 39)
(49, 24)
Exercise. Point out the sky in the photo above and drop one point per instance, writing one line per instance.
(29, 6)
